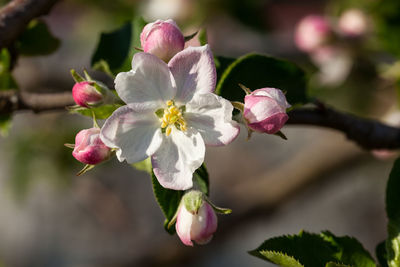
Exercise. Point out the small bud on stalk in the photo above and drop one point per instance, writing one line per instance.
(162, 38)
(265, 110)
(312, 32)
(85, 94)
(196, 219)
(89, 148)
(353, 23)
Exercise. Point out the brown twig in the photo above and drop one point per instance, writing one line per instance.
(16, 15)
(367, 133)
(12, 101)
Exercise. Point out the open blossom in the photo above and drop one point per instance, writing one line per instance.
(312, 32)
(162, 38)
(171, 114)
(265, 110)
(84, 94)
(199, 226)
(89, 148)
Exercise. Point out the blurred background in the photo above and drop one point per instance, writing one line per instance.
(316, 180)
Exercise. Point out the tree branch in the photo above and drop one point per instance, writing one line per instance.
(12, 101)
(16, 15)
(367, 133)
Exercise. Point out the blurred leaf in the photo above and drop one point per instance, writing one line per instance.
(393, 213)
(37, 40)
(5, 125)
(258, 71)
(144, 165)
(101, 112)
(6, 79)
(200, 177)
(203, 37)
(114, 47)
(381, 254)
(314, 250)
(168, 200)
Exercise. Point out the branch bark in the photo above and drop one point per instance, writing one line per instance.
(367, 133)
(16, 15)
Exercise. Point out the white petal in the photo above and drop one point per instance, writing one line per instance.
(180, 154)
(194, 72)
(137, 135)
(211, 115)
(150, 81)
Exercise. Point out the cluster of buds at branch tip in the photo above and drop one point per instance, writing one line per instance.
(162, 38)
(196, 218)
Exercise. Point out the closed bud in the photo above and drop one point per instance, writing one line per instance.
(353, 23)
(85, 94)
(162, 38)
(196, 220)
(312, 32)
(89, 148)
(265, 110)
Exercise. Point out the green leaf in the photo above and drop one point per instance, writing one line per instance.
(334, 264)
(203, 37)
(101, 112)
(280, 258)
(393, 213)
(313, 250)
(309, 249)
(144, 165)
(115, 50)
(37, 40)
(350, 251)
(5, 124)
(6, 79)
(259, 71)
(381, 254)
(201, 179)
(168, 200)
(113, 47)
(221, 64)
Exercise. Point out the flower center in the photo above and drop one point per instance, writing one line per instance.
(172, 116)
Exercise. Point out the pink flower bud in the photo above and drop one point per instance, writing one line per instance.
(84, 94)
(162, 38)
(89, 148)
(353, 23)
(198, 227)
(265, 110)
(312, 32)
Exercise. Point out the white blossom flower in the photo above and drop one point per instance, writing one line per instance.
(171, 114)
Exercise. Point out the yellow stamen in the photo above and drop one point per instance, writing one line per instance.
(172, 117)
(168, 131)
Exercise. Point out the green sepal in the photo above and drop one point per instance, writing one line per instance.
(85, 169)
(193, 200)
(76, 76)
(218, 209)
(281, 135)
(190, 37)
(144, 165)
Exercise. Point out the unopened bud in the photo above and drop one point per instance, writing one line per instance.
(312, 32)
(196, 221)
(353, 23)
(162, 38)
(85, 94)
(89, 148)
(265, 110)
